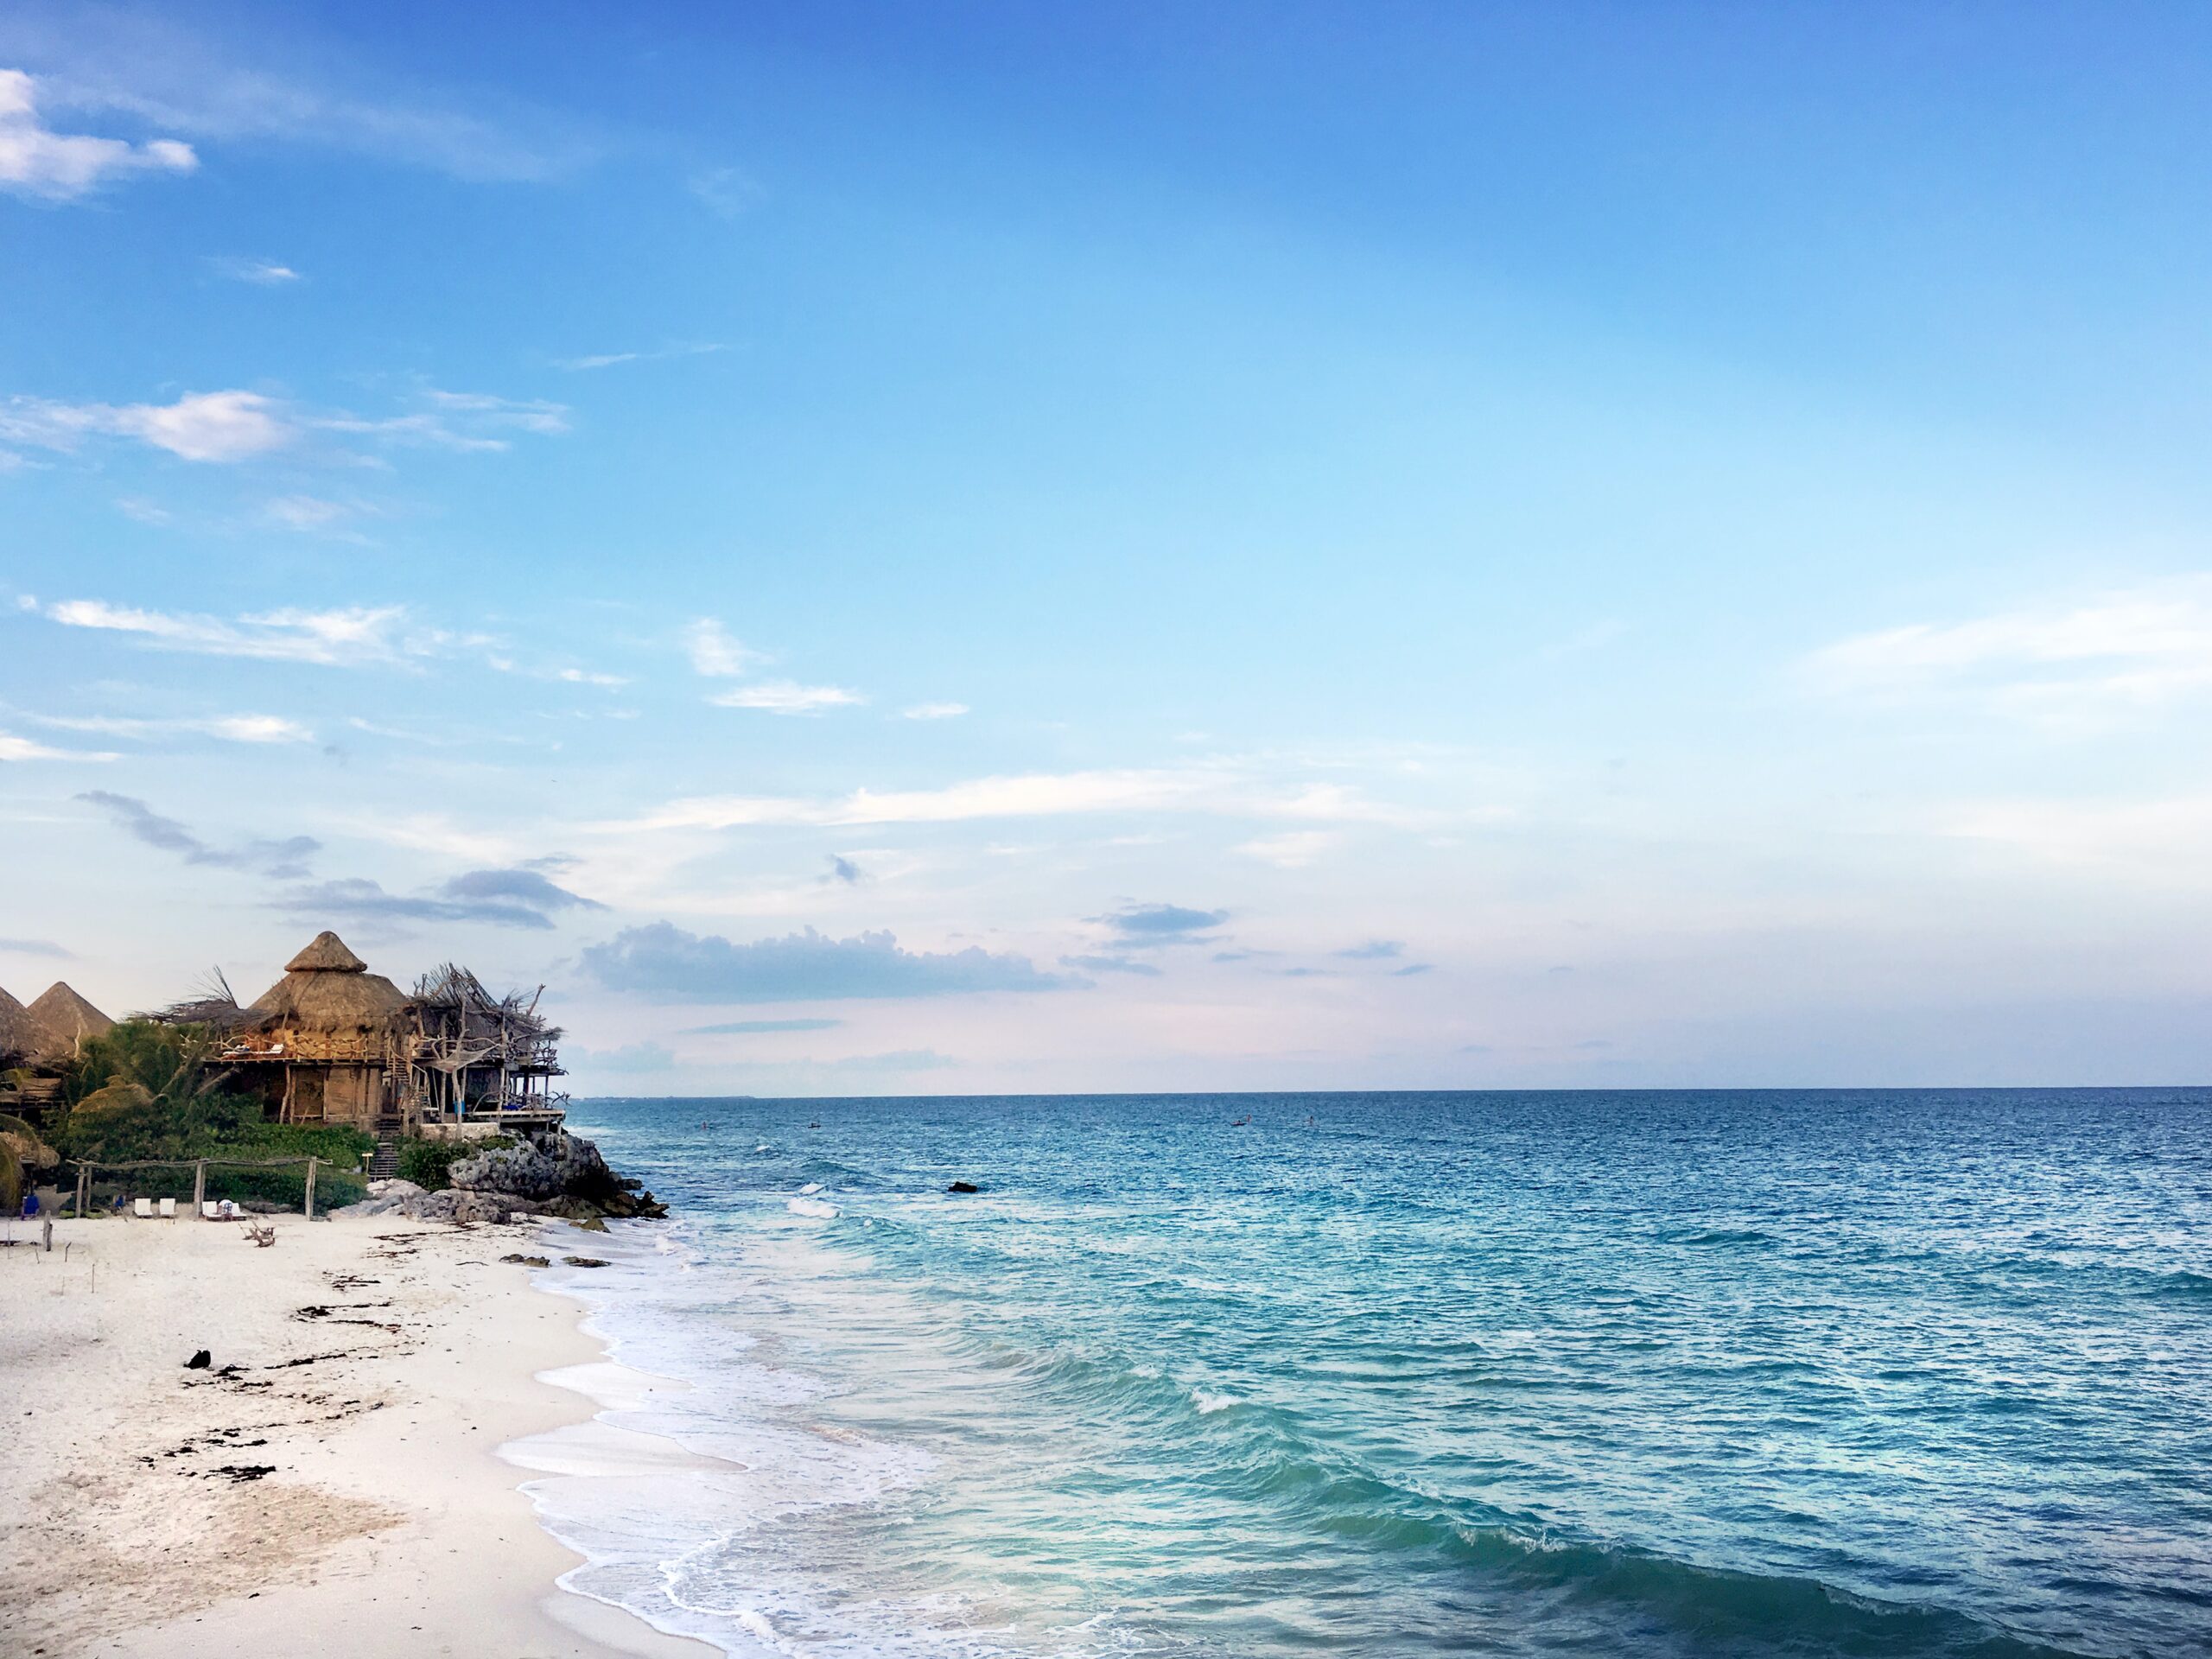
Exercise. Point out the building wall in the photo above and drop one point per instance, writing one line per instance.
(353, 1094)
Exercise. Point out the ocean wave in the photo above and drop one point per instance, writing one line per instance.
(814, 1209)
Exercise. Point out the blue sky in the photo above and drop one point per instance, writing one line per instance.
(882, 549)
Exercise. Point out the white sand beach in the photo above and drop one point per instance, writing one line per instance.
(330, 1483)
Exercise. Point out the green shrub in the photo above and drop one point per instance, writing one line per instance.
(139, 1092)
(429, 1164)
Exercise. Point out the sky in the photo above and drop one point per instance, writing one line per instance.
(902, 549)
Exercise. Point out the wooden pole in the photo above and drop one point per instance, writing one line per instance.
(311, 1162)
(84, 1187)
(198, 1188)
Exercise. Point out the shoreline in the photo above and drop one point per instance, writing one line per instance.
(348, 1476)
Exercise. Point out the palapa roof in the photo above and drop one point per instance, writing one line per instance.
(328, 988)
(326, 954)
(19, 1033)
(65, 1020)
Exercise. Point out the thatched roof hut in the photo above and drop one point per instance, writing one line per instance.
(66, 1022)
(328, 992)
(20, 1037)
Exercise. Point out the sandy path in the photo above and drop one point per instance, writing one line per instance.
(328, 1485)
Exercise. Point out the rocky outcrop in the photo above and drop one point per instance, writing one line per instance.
(410, 1203)
(550, 1173)
(558, 1173)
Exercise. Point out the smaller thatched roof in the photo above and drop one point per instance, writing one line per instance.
(66, 1021)
(20, 1036)
(328, 988)
(327, 953)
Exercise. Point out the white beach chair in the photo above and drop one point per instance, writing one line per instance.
(168, 1209)
(208, 1211)
(142, 1209)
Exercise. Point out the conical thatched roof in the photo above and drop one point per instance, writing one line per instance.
(19, 1033)
(328, 988)
(327, 955)
(66, 1021)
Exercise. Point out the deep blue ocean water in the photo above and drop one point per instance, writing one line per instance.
(1758, 1373)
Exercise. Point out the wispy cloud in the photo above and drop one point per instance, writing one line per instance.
(786, 697)
(36, 161)
(36, 948)
(262, 273)
(1293, 850)
(2157, 841)
(22, 748)
(504, 898)
(590, 677)
(758, 1028)
(713, 654)
(281, 858)
(1223, 789)
(934, 711)
(235, 425)
(1098, 965)
(231, 728)
(218, 427)
(307, 513)
(615, 360)
(467, 422)
(1144, 927)
(2070, 666)
(726, 191)
(663, 960)
(1373, 950)
(149, 64)
(349, 637)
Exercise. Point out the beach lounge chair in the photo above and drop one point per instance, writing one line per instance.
(261, 1233)
(168, 1209)
(142, 1208)
(208, 1211)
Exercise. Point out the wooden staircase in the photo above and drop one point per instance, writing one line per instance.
(392, 1129)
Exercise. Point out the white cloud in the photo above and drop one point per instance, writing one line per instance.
(612, 360)
(234, 729)
(305, 512)
(935, 711)
(143, 62)
(467, 421)
(353, 635)
(2153, 841)
(585, 676)
(36, 161)
(262, 273)
(713, 654)
(1219, 789)
(21, 748)
(786, 697)
(237, 425)
(1293, 850)
(2078, 666)
(726, 191)
(205, 426)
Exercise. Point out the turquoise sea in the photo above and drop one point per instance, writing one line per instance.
(1666, 1374)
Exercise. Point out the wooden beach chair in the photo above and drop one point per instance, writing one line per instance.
(261, 1233)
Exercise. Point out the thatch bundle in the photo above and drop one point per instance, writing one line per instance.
(20, 1037)
(66, 1022)
(327, 990)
